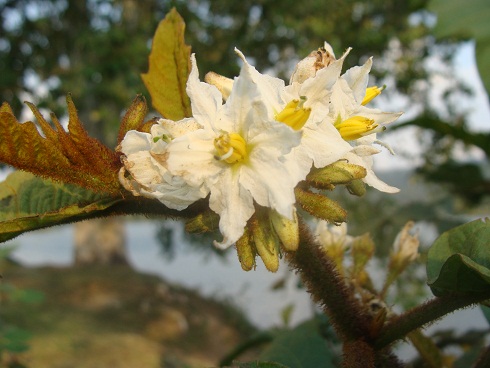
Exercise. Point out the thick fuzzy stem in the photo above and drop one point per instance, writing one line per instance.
(424, 314)
(329, 290)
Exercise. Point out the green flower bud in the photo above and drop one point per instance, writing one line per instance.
(320, 206)
(356, 187)
(340, 172)
(246, 250)
(266, 241)
(362, 250)
(287, 230)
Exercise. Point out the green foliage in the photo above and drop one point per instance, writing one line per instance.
(459, 260)
(301, 347)
(27, 296)
(169, 68)
(13, 339)
(29, 202)
(467, 19)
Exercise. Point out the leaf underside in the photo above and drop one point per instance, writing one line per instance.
(28, 202)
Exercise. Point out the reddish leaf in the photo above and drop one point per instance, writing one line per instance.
(70, 157)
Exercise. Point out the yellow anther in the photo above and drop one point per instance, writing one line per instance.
(231, 147)
(356, 127)
(372, 92)
(294, 114)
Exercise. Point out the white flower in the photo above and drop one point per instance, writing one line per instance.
(303, 106)
(358, 123)
(145, 164)
(238, 154)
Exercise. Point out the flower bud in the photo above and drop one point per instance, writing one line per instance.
(362, 250)
(320, 206)
(357, 187)
(405, 251)
(334, 241)
(340, 172)
(202, 223)
(287, 230)
(315, 61)
(223, 84)
(266, 242)
(246, 250)
(405, 247)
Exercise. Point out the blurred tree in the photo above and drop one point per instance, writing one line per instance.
(96, 49)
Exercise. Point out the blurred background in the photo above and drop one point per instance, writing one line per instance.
(97, 49)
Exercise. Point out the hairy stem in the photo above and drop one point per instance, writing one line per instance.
(425, 314)
(329, 290)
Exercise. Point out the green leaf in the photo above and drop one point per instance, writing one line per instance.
(301, 347)
(14, 339)
(28, 202)
(459, 260)
(467, 19)
(169, 68)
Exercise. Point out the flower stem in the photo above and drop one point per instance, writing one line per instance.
(427, 313)
(328, 289)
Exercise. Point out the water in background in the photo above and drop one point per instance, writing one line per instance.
(220, 277)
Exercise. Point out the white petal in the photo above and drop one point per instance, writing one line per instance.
(205, 98)
(135, 141)
(152, 180)
(379, 117)
(176, 128)
(324, 144)
(270, 184)
(365, 150)
(273, 135)
(192, 157)
(371, 178)
(342, 101)
(357, 77)
(318, 87)
(234, 205)
(328, 48)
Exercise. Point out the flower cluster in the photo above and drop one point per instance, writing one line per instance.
(253, 141)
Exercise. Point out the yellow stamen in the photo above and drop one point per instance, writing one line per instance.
(355, 127)
(371, 93)
(231, 147)
(294, 114)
